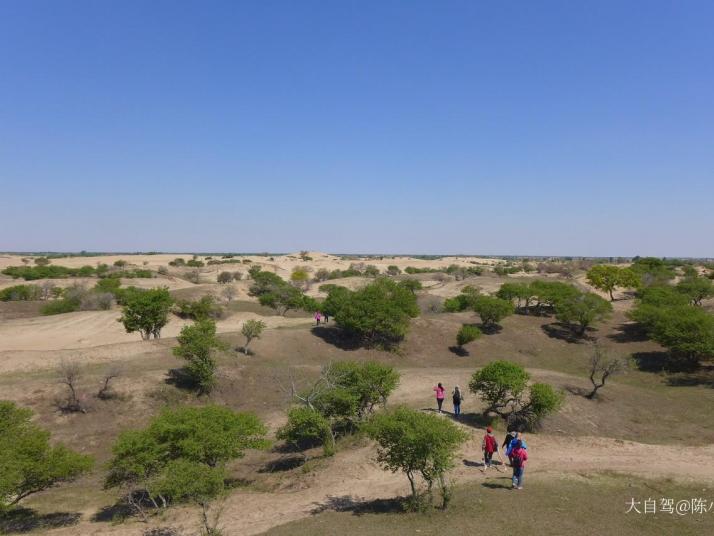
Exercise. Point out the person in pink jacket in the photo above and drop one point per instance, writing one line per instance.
(519, 456)
(318, 316)
(440, 395)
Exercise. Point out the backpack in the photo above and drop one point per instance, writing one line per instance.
(517, 461)
(491, 445)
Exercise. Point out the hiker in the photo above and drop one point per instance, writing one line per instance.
(317, 318)
(456, 398)
(519, 457)
(506, 447)
(489, 445)
(325, 318)
(440, 394)
(517, 438)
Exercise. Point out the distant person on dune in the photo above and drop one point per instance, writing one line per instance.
(325, 318)
(440, 394)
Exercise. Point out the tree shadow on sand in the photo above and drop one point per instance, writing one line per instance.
(459, 351)
(180, 379)
(659, 362)
(336, 337)
(22, 520)
(474, 420)
(629, 332)
(562, 332)
(347, 503)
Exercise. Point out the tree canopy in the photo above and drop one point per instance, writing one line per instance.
(28, 463)
(147, 312)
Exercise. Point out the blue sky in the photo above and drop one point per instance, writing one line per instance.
(535, 128)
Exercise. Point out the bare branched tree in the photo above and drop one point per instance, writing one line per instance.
(105, 389)
(602, 367)
(69, 375)
(229, 293)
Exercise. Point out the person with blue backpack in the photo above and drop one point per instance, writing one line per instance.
(519, 456)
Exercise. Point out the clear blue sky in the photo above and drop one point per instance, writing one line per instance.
(484, 127)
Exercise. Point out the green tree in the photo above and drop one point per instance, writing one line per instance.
(252, 329)
(413, 285)
(419, 445)
(28, 463)
(520, 292)
(607, 278)
(181, 454)
(688, 333)
(696, 289)
(378, 314)
(197, 343)
(147, 312)
(501, 385)
(582, 310)
(492, 310)
(467, 334)
(307, 427)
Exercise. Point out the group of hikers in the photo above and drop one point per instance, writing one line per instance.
(514, 445)
(321, 317)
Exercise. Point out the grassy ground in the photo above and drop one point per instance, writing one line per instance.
(578, 504)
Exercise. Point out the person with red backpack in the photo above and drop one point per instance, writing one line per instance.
(489, 445)
(519, 456)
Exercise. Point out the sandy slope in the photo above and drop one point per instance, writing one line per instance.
(354, 473)
(24, 342)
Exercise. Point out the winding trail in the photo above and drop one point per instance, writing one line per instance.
(353, 475)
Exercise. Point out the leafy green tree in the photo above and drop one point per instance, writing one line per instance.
(42, 261)
(687, 331)
(467, 334)
(463, 301)
(252, 329)
(370, 383)
(196, 442)
(371, 270)
(147, 312)
(377, 314)
(419, 445)
(582, 310)
(21, 293)
(28, 463)
(413, 285)
(307, 427)
(607, 278)
(652, 271)
(197, 343)
(696, 289)
(515, 291)
(492, 310)
(549, 293)
(201, 309)
(501, 385)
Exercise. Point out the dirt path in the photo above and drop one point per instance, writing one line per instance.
(354, 475)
